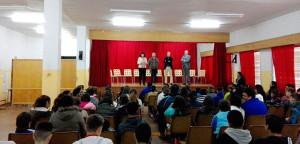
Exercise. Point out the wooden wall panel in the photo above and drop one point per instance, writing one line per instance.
(68, 75)
(26, 80)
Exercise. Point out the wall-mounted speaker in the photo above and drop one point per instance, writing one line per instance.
(80, 55)
(234, 60)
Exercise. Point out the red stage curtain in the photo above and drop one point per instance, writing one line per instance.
(207, 65)
(219, 67)
(283, 59)
(124, 54)
(248, 67)
(228, 69)
(99, 72)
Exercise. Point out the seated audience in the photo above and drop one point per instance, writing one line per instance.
(218, 97)
(274, 99)
(86, 103)
(236, 104)
(22, 123)
(43, 133)
(40, 110)
(260, 93)
(184, 92)
(192, 101)
(94, 100)
(178, 107)
(76, 92)
(132, 122)
(105, 107)
(295, 113)
(143, 134)
(274, 126)
(68, 117)
(298, 91)
(288, 93)
(162, 107)
(55, 107)
(133, 97)
(163, 94)
(235, 134)
(145, 91)
(152, 93)
(252, 106)
(108, 93)
(207, 108)
(220, 119)
(211, 91)
(126, 91)
(201, 96)
(226, 91)
(121, 109)
(94, 125)
(273, 85)
(77, 102)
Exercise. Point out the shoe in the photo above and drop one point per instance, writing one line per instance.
(183, 83)
(189, 83)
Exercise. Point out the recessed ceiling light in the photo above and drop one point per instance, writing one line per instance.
(28, 17)
(130, 11)
(205, 24)
(130, 22)
(40, 29)
(224, 14)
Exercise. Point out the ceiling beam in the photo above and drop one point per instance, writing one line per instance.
(207, 53)
(158, 36)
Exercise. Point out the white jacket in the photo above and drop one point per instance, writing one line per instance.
(94, 140)
(142, 62)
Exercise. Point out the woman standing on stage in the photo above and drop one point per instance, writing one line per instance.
(142, 62)
(240, 80)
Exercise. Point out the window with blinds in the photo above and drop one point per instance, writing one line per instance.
(297, 66)
(257, 67)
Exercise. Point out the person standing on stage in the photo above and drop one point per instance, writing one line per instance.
(153, 65)
(142, 62)
(186, 67)
(168, 67)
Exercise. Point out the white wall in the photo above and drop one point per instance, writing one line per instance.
(277, 27)
(14, 44)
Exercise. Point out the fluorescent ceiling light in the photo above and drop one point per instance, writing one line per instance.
(130, 11)
(40, 29)
(205, 24)
(130, 22)
(12, 7)
(28, 17)
(224, 14)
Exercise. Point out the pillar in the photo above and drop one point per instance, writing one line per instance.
(82, 73)
(266, 68)
(236, 66)
(52, 48)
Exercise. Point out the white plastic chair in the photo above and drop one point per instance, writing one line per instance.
(111, 77)
(201, 74)
(159, 74)
(177, 73)
(148, 74)
(136, 73)
(193, 74)
(127, 73)
(117, 74)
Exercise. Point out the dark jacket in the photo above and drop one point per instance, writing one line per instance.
(129, 124)
(241, 81)
(67, 119)
(105, 109)
(203, 111)
(166, 102)
(274, 140)
(35, 115)
(168, 62)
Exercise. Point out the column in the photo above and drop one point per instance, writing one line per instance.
(52, 48)
(83, 47)
(266, 68)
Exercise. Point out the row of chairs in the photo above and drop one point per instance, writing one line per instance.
(116, 73)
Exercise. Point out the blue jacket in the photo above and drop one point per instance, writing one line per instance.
(144, 92)
(295, 113)
(254, 107)
(94, 100)
(218, 97)
(166, 102)
(219, 120)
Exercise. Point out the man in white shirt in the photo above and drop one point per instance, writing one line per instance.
(94, 125)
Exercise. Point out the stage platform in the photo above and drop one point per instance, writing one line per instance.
(116, 87)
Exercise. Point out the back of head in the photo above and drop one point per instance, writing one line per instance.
(153, 88)
(42, 101)
(210, 89)
(86, 97)
(274, 84)
(208, 102)
(275, 123)
(296, 96)
(179, 103)
(184, 92)
(90, 91)
(124, 99)
(132, 108)
(203, 92)
(219, 89)
(291, 86)
(143, 133)
(107, 93)
(235, 119)
(174, 88)
(23, 120)
(126, 90)
(197, 90)
(149, 84)
(250, 92)
(133, 97)
(93, 123)
(236, 101)
(76, 101)
(66, 92)
(133, 91)
(275, 92)
(260, 90)
(192, 97)
(76, 91)
(165, 89)
(65, 101)
(42, 132)
(224, 105)
(107, 99)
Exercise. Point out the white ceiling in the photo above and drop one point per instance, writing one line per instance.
(166, 15)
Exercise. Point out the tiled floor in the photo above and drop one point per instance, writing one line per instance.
(8, 122)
